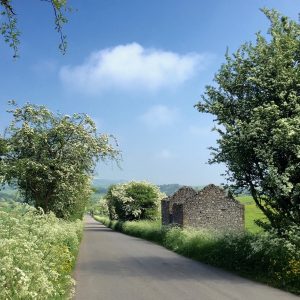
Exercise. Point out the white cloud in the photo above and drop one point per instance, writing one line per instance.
(159, 115)
(131, 67)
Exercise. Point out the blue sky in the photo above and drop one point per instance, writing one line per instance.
(137, 67)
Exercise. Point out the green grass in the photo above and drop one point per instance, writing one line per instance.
(262, 256)
(252, 213)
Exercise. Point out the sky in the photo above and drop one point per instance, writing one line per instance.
(137, 67)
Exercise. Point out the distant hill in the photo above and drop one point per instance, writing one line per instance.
(106, 182)
(170, 189)
(101, 186)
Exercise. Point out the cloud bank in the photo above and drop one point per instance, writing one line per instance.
(131, 67)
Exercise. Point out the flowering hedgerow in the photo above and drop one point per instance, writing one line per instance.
(37, 253)
(134, 201)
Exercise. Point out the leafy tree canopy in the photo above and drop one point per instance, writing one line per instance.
(9, 29)
(256, 101)
(51, 157)
(133, 201)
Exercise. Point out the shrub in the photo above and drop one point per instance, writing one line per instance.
(99, 208)
(133, 201)
(37, 253)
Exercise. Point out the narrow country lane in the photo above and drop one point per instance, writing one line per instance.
(114, 266)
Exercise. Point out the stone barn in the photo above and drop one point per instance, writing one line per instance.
(210, 208)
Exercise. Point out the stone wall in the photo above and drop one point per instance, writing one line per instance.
(177, 214)
(167, 204)
(165, 212)
(209, 208)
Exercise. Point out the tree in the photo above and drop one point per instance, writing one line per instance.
(9, 29)
(99, 208)
(133, 201)
(51, 157)
(256, 101)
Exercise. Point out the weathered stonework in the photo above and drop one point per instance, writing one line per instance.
(165, 212)
(210, 208)
(177, 214)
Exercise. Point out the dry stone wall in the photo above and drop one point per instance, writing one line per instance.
(210, 208)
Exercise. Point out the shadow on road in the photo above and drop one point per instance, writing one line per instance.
(164, 269)
(96, 223)
(97, 228)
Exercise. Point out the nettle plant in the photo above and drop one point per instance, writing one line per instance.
(133, 201)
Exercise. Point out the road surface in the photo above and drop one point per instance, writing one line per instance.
(114, 266)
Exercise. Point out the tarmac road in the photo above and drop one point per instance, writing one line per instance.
(114, 266)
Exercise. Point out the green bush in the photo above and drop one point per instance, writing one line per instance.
(264, 257)
(99, 208)
(134, 201)
(37, 253)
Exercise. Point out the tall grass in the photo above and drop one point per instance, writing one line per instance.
(37, 253)
(264, 257)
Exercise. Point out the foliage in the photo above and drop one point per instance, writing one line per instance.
(146, 229)
(264, 257)
(100, 189)
(99, 208)
(51, 157)
(133, 201)
(256, 102)
(11, 34)
(37, 253)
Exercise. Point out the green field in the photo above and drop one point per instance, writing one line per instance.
(252, 213)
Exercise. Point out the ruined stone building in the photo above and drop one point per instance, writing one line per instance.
(210, 208)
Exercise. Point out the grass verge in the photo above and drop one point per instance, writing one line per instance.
(263, 257)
